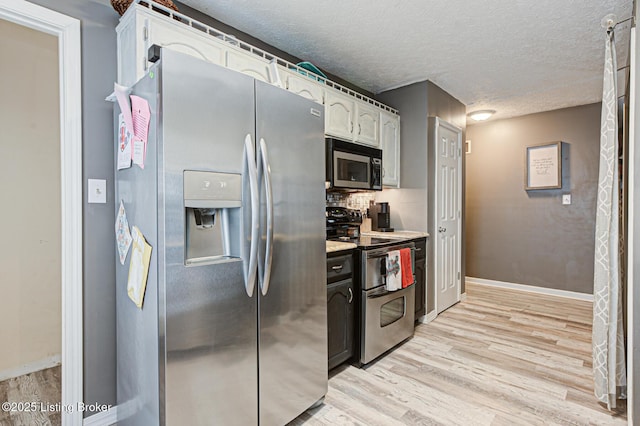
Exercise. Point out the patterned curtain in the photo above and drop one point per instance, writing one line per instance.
(609, 370)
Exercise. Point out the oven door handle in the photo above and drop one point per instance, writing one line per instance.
(383, 258)
(382, 292)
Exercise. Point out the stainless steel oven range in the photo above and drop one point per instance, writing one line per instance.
(387, 317)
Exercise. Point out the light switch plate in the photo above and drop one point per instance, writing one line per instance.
(566, 199)
(97, 191)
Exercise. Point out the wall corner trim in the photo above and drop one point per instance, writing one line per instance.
(430, 317)
(531, 289)
(104, 418)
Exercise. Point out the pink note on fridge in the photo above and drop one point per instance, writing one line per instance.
(141, 117)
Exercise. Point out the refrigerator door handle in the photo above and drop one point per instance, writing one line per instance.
(265, 169)
(250, 272)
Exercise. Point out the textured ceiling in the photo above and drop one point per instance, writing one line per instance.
(517, 57)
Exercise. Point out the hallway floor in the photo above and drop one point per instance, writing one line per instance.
(501, 357)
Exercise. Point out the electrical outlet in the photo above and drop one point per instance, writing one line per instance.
(97, 191)
(566, 199)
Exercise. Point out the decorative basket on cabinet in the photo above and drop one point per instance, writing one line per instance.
(121, 5)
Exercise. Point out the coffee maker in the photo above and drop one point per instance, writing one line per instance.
(380, 217)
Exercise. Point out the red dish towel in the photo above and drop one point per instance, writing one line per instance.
(407, 271)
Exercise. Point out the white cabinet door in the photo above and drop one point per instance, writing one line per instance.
(182, 38)
(339, 115)
(367, 124)
(303, 86)
(390, 144)
(131, 41)
(249, 64)
(142, 28)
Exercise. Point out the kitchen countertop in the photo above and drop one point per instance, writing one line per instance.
(397, 234)
(333, 246)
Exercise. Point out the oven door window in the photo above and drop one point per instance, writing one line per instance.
(392, 311)
(351, 170)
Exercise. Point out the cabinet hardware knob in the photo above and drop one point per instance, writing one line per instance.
(337, 268)
(350, 295)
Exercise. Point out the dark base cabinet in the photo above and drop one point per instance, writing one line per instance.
(421, 277)
(340, 309)
(341, 317)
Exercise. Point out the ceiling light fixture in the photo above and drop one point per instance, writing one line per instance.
(481, 115)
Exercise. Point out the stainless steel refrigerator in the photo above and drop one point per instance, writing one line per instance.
(232, 330)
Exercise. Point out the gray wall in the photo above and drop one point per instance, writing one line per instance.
(529, 237)
(410, 204)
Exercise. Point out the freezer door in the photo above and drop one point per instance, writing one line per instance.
(293, 312)
(208, 320)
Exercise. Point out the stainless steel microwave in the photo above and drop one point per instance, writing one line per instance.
(353, 166)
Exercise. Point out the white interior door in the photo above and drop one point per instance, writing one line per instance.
(448, 184)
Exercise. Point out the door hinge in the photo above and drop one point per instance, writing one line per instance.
(459, 214)
(458, 276)
(145, 33)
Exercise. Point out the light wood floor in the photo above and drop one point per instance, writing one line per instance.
(502, 357)
(40, 387)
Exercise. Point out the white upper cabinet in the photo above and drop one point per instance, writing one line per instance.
(390, 144)
(339, 113)
(302, 85)
(367, 130)
(246, 63)
(348, 115)
(141, 28)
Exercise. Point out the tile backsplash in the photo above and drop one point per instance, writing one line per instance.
(352, 200)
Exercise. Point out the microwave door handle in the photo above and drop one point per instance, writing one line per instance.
(268, 257)
(250, 271)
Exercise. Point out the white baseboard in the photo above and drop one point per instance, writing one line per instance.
(531, 289)
(32, 367)
(425, 319)
(104, 418)
(430, 317)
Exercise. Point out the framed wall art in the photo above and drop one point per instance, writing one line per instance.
(543, 166)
